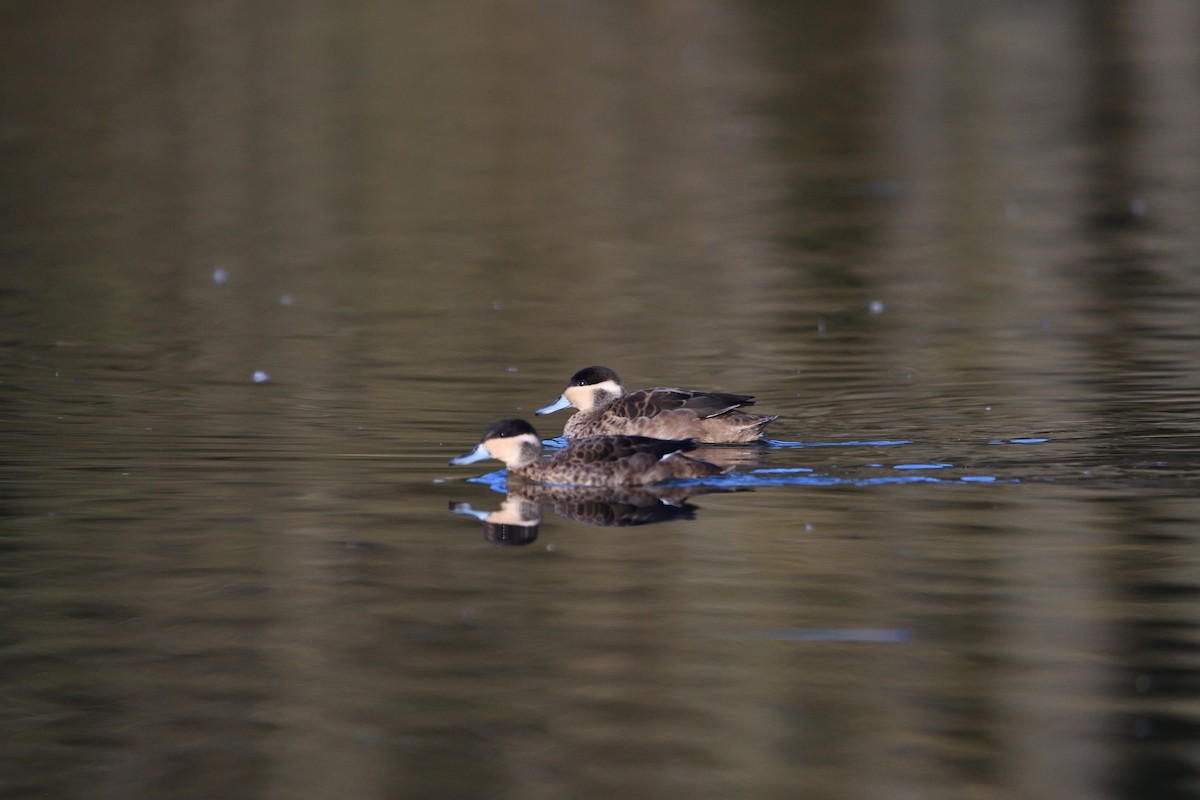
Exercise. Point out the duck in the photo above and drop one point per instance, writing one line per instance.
(605, 408)
(609, 461)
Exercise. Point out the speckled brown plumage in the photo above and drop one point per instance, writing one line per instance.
(619, 461)
(596, 461)
(662, 412)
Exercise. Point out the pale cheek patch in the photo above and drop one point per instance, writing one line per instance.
(502, 449)
(584, 397)
(580, 396)
(509, 450)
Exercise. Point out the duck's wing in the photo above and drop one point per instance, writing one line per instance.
(599, 449)
(649, 402)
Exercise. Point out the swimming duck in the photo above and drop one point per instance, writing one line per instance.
(664, 412)
(598, 461)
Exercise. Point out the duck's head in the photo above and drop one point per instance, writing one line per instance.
(591, 387)
(513, 441)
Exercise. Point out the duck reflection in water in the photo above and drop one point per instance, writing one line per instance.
(516, 521)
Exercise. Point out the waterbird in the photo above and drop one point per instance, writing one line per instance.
(604, 407)
(595, 461)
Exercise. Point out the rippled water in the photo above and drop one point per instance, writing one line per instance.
(263, 273)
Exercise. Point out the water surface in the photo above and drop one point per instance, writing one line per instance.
(954, 248)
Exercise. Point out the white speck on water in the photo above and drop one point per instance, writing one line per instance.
(220, 276)
(286, 300)
(1013, 211)
(808, 527)
(497, 305)
(260, 376)
(550, 548)
(987, 408)
(1138, 207)
(876, 307)
(439, 480)
(821, 327)
(510, 369)
(125, 474)
(149, 428)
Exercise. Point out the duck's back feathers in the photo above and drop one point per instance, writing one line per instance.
(732, 427)
(623, 461)
(649, 402)
(600, 449)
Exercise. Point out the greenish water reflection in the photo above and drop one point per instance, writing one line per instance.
(953, 247)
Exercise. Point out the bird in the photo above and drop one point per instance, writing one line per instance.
(609, 461)
(605, 408)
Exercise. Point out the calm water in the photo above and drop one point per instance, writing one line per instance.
(954, 247)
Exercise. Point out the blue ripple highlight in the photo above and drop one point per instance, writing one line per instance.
(497, 481)
(751, 480)
(869, 635)
(781, 470)
(867, 443)
(790, 476)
